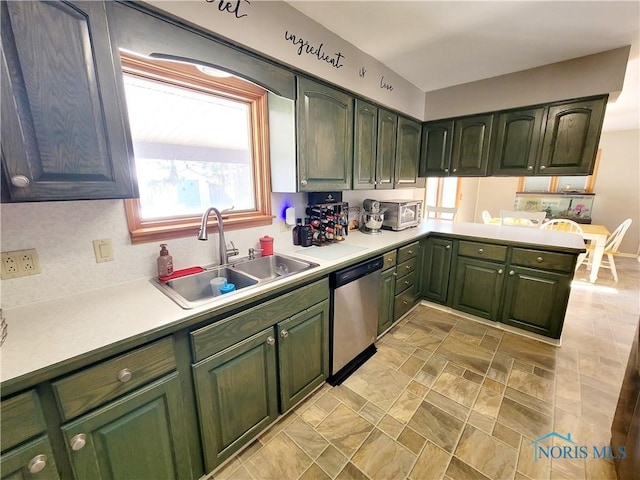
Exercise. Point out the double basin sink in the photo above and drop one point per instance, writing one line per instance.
(195, 290)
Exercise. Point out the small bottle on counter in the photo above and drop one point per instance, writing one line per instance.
(165, 262)
(296, 231)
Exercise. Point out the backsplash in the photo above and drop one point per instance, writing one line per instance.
(63, 234)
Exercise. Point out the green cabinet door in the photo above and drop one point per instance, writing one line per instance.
(386, 300)
(471, 141)
(407, 153)
(536, 300)
(325, 137)
(70, 140)
(478, 287)
(33, 460)
(365, 138)
(571, 137)
(437, 142)
(436, 266)
(386, 149)
(303, 353)
(237, 395)
(141, 435)
(517, 141)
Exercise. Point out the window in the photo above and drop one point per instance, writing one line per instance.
(442, 192)
(199, 140)
(581, 183)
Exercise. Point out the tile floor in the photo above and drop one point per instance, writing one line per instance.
(449, 398)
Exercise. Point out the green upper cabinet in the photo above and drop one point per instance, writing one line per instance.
(407, 153)
(303, 353)
(386, 148)
(141, 435)
(515, 147)
(65, 133)
(571, 137)
(325, 137)
(471, 140)
(437, 141)
(365, 138)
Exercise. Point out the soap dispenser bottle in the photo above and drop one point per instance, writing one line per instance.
(165, 262)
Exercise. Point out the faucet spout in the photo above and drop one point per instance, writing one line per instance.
(202, 234)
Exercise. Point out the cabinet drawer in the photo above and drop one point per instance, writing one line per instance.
(407, 252)
(403, 303)
(405, 268)
(96, 385)
(21, 419)
(486, 251)
(562, 262)
(389, 259)
(405, 282)
(216, 337)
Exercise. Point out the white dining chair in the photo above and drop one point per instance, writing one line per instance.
(610, 249)
(441, 213)
(486, 216)
(569, 226)
(528, 219)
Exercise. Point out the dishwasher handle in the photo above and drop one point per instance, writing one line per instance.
(348, 275)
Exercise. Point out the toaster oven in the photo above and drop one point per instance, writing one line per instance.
(401, 214)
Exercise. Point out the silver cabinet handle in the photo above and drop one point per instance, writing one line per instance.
(512, 273)
(500, 272)
(78, 442)
(530, 167)
(448, 247)
(37, 464)
(284, 334)
(124, 375)
(20, 181)
(481, 250)
(540, 259)
(271, 341)
(542, 167)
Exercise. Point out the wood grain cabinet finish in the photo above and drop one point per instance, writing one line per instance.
(141, 435)
(436, 267)
(471, 141)
(437, 143)
(365, 138)
(407, 153)
(405, 284)
(32, 460)
(65, 134)
(515, 148)
(325, 137)
(571, 137)
(386, 300)
(478, 287)
(386, 149)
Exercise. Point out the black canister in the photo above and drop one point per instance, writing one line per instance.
(306, 236)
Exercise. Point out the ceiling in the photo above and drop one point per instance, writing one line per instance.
(438, 44)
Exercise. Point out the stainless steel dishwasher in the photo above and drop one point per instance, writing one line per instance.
(354, 317)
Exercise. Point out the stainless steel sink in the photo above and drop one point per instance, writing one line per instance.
(195, 290)
(273, 266)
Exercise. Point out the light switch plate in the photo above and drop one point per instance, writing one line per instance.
(103, 250)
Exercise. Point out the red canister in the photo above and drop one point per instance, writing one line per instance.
(266, 245)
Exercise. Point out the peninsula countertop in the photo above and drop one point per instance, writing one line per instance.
(69, 332)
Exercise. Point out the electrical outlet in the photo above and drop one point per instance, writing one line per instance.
(283, 226)
(20, 263)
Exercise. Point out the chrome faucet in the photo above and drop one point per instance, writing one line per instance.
(202, 235)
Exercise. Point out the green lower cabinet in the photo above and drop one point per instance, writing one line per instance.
(237, 393)
(386, 301)
(303, 353)
(33, 460)
(478, 287)
(536, 300)
(141, 435)
(435, 269)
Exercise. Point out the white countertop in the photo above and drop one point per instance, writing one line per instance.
(55, 332)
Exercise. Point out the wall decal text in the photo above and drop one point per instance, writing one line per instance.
(318, 52)
(232, 7)
(384, 85)
(362, 72)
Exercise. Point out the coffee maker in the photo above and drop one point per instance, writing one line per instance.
(372, 217)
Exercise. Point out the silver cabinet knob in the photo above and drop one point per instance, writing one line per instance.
(500, 272)
(512, 273)
(20, 181)
(284, 334)
(448, 247)
(408, 267)
(37, 464)
(395, 274)
(271, 341)
(543, 167)
(404, 302)
(78, 442)
(406, 282)
(410, 252)
(530, 167)
(540, 259)
(303, 182)
(124, 375)
(446, 170)
(455, 170)
(389, 259)
(481, 251)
